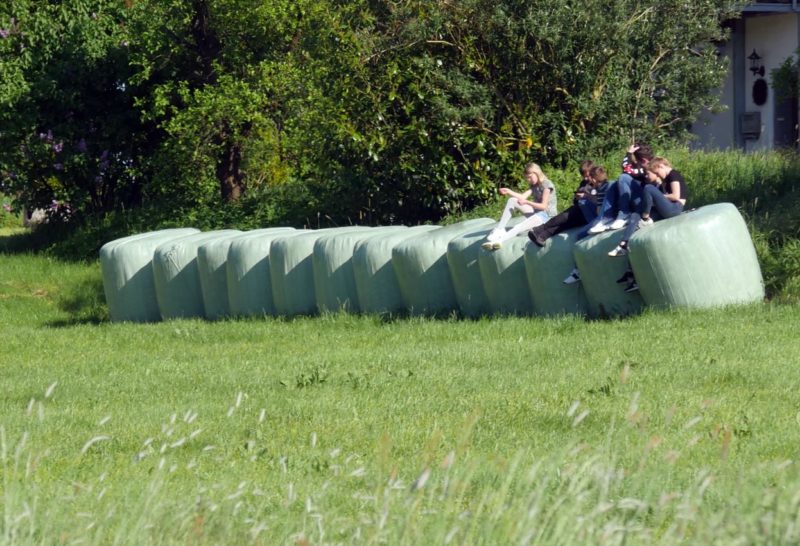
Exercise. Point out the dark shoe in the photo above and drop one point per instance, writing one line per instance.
(536, 238)
(626, 277)
(632, 287)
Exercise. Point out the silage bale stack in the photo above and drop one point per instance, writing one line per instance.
(599, 274)
(126, 265)
(546, 268)
(177, 277)
(334, 278)
(248, 272)
(702, 258)
(292, 270)
(462, 259)
(504, 278)
(212, 259)
(376, 281)
(422, 270)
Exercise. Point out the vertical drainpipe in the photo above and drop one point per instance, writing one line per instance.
(739, 72)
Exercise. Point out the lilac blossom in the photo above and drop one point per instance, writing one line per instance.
(58, 146)
(81, 146)
(5, 33)
(58, 166)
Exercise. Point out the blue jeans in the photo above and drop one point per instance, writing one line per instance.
(656, 205)
(624, 195)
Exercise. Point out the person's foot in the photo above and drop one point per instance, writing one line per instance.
(495, 234)
(620, 221)
(497, 245)
(573, 277)
(619, 250)
(599, 227)
(645, 222)
(488, 245)
(535, 237)
(626, 277)
(632, 287)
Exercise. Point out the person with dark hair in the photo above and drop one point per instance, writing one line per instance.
(624, 196)
(664, 196)
(583, 210)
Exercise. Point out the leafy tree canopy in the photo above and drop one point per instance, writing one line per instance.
(368, 110)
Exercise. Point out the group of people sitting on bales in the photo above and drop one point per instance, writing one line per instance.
(648, 190)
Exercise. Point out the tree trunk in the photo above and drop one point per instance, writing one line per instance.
(230, 175)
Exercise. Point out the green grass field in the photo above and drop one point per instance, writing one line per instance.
(678, 426)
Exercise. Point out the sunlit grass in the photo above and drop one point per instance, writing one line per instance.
(667, 427)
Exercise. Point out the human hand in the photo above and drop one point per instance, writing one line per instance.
(632, 148)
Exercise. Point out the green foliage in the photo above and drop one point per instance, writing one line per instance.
(786, 78)
(375, 111)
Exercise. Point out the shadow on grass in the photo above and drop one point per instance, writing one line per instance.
(21, 241)
(84, 303)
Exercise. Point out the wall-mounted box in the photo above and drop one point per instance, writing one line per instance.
(750, 125)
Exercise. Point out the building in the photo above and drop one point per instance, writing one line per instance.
(761, 40)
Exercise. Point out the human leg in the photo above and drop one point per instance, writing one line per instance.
(530, 222)
(652, 198)
(511, 205)
(608, 211)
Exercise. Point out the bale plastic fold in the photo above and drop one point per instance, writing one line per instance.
(599, 273)
(126, 265)
(546, 268)
(702, 258)
(248, 272)
(177, 276)
(292, 270)
(334, 278)
(212, 259)
(462, 259)
(376, 282)
(504, 278)
(422, 270)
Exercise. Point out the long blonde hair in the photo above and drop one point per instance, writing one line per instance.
(537, 170)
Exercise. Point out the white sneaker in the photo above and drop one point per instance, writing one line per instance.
(618, 251)
(573, 277)
(644, 222)
(621, 221)
(599, 227)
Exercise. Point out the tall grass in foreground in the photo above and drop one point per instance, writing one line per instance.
(578, 495)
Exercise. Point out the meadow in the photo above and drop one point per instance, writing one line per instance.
(678, 426)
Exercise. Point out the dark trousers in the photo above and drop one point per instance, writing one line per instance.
(570, 218)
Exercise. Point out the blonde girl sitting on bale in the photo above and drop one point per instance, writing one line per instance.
(537, 203)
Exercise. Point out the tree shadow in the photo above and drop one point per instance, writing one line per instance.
(84, 303)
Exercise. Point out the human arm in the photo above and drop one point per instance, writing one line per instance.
(539, 205)
(518, 196)
(675, 192)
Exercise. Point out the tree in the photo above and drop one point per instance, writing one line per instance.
(360, 110)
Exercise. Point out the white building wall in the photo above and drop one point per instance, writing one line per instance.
(717, 131)
(774, 37)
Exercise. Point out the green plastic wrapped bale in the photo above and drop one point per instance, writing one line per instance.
(334, 279)
(504, 278)
(599, 274)
(422, 271)
(702, 258)
(127, 268)
(376, 282)
(248, 272)
(212, 259)
(462, 259)
(177, 277)
(546, 269)
(292, 270)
